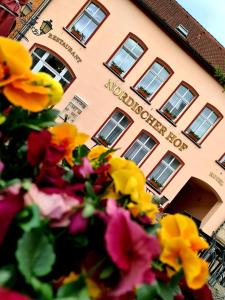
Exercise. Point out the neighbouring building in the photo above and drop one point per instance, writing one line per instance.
(139, 76)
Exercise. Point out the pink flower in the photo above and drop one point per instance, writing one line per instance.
(78, 223)
(11, 295)
(1, 166)
(55, 207)
(11, 202)
(130, 248)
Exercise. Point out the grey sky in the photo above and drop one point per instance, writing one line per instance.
(211, 15)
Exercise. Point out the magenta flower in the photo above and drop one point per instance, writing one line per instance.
(86, 168)
(11, 295)
(11, 202)
(78, 223)
(130, 248)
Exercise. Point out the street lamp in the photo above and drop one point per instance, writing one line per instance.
(45, 27)
(26, 9)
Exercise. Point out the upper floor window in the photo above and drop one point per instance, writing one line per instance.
(126, 56)
(114, 127)
(164, 171)
(178, 102)
(203, 124)
(153, 79)
(88, 21)
(222, 161)
(141, 147)
(44, 61)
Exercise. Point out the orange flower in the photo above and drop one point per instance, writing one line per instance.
(33, 92)
(67, 136)
(15, 61)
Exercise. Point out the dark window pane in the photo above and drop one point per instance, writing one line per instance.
(55, 63)
(46, 70)
(40, 52)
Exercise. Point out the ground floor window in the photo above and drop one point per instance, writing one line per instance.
(164, 171)
(140, 148)
(114, 127)
(44, 61)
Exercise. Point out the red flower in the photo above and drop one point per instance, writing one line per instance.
(130, 248)
(40, 149)
(10, 295)
(78, 224)
(11, 202)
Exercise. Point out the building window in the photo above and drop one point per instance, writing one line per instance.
(164, 171)
(44, 61)
(73, 110)
(152, 80)
(88, 21)
(141, 148)
(178, 102)
(221, 161)
(126, 56)
(203, 124)
(182, 30)
(115, 126)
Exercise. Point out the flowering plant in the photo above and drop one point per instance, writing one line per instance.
(77, 224)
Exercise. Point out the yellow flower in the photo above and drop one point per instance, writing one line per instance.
(70, 278)
(97, 151)
(144, 205)
(55, 90)
(181, 226)
(180, 244)
(20, 86)
(67, 136)
(177, 255)
(127, 177)
(93, 290)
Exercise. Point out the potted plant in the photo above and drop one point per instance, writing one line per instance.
(103, 141)
(77, 34)
(143, 92)
(168, 114)
(116, 68)
(155, 183)
(193, 136)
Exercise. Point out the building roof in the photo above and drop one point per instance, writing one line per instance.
(199, 42)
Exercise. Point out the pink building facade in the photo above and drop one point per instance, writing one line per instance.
(131, 85)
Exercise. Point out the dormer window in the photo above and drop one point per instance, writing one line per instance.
(182, 30)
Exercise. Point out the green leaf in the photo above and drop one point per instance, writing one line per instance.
(7, 275)
(29, 218)
(107, 271)
(76, 289)
(88, 210)
(43, 289)
(89, 189)
(167, 291)
(34, 254)
(147, 292)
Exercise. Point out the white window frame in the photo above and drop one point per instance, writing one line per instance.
(142, 145)
(156, 76)
(167, 166)
(116, 124)
(206, 120)
(91, 18)
(42, 63)
(128, 53)
(222, 160)
(181, 99)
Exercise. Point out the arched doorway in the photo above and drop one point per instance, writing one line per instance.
(196, 199)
